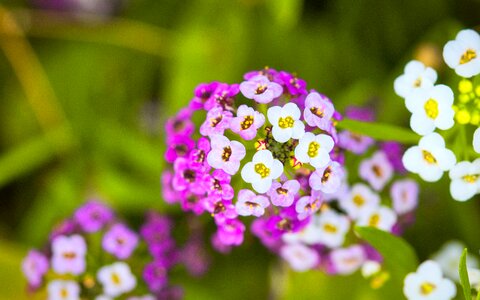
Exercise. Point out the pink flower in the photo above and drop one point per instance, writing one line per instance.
(247, 122)
(34, 267)
(377, 170)
(318, 111)
(308, 205)
(300, 257)
(260, 89)
(327, 179)
(216, 122)
(345, 261)
(404, 195)
(283, 194)
(69, 254)
(218, 183)
(230, 233)
(225, 154)
(120, 241)
(220, 209)
(250, 204)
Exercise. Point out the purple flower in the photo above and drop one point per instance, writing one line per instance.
(195, 257)
(260, 89)
(283, 194)
(230, 233)
(225, 154)
(327, 179)
(34, 267)
(355, 143)
(181, 124)
(178, 146)
(300, 257)
(318, 111)
(198, 156)
(247, 122)
(203, 92)
(93, 215)
(220, 209)
(270, 73)
(377, 170)
(69, 254)
(262, 231)
(120, 241)
(156, 233)
(218, 183)
(250, 204)
(216, 122)
(192, 202)
(404, 195)
(222, 96)
(394, 152)
(155, 275)
(186, 178)
(307, 206)
(295, 86)
(168, 193)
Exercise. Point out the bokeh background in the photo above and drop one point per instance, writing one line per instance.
(86, 85)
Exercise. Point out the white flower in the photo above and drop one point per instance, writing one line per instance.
(314, 149)
(430, 158)
(416, 75)
(262, 170)
(103, 297)
(448, 257)
(286, 123)
(370, 268)
(360, 199)
(465, 178)
(476, 140)
(474, 277)
(463, 53)
(116, 279)
(63, 290)
(300, 257)
(431, 108)
(332, 228)
(380, 217)
(347, 260)
(428, 284)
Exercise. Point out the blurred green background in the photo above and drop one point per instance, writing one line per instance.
(85, 91)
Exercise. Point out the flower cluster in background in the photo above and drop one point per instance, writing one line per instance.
(268, 148)
(436, 106)
(95, 255)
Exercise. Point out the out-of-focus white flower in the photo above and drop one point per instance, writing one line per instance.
(476, 140)
(465, 178)
(300, 257)
(370, 268)
(416, 75)
(463, 53)
(448, 257)
(116, 279)
(380, 217)
(360, 199)
(63, 290)
(428, 284)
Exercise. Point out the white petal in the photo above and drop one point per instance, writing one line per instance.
(432, 140)
(276, 169)
(326, 142)
(263, 156)
(421, 124)
(273, 114)
(476, 140)
(461, 190)
(248, 173)
(262, 186)
(281, 135)
(412, 159)
(292, 110)
(298, 130)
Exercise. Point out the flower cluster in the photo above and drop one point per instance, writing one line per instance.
(95, 255)
(269, 148)
(435, 106)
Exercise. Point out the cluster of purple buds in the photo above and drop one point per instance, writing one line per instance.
(95, 255)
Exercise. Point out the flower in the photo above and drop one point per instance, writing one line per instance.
(428, 283)
(345, 261)
(430, 158)
(247, 122)
(416, 76)
(203, 92)
(178, 146)
(332, 228)
(295, 86)
(116, 279)
(354, 142)
(465, 178)
(377, 170)
(63, 290)
(225, 154)
(34, 267)
(283, 194)
(262, 170)
(181, 124)
(216, 122)
(308, 205)
(328, 179)
(222, 96)
(155, 275)
(286, 123)
(93, 215)
(476, 140)
(230, 232)
(359, 200)
(404, 194)
(380, 217)
(431, 108)
(69, 254)
(463, 53)
(314, 149)
(448, 258)
(120, 241)
(186, 177)
(249, 204)
(318, 111)
(300, 257)
(260, 89)
(218, 184)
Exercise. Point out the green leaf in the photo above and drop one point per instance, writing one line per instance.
(380, 131)
(462, 271)
(400, 258)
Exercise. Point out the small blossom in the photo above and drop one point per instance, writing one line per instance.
(308, 205)
(286, 123)
(327, 179)
(249, 204)
(223, 97)
(120, 241)
(63, 290)
(220, 209)
(404, 194)
(69, 254)
(247, 122)
(354, 142)
(34, 267)
(314, 149)
(430, 158)
(260, 89)
(476, 140)
(116, 279)
(230, 233)
(359, 200)
(318, 111)
(370, 268)
(431, 108)
(262, 170)
(216, 122)
(332, 228)
(465, 178)
(345, 261)
(93, 215)
(295, 86)
(225, 154)
(155, 275)
(416, 76)
(203, 92)
(218, 183)
(463, 53)
(448, 258)
(428, 283)
(178, 146)
(377, 170)
(380, 217)
(283, 194)
(300, 257)
(181, 124)
(186, 177)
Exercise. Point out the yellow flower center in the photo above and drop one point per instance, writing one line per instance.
(313, 149)
(116, 279)
(261, 88)
(63, 293)
(374, 220)
(262, 170)
(247, 122)
(330, 228)
(431, 108)
(428, 157)
(469, 55)
(427, 288)
(358, 200)
(418, 82)
(282, 191)
(215, 121)
(326, 174)
(470, 178)
(227, 152)
(316, 111)
(286, 122)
